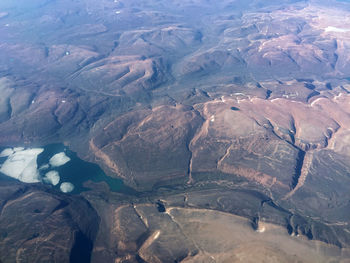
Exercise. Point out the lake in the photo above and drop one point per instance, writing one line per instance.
(76, 171)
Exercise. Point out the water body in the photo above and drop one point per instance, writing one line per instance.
(76, 171)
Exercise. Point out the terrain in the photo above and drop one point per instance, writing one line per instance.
(230, 121)
(39, 225)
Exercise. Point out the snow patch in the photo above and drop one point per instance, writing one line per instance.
(66, 187)
(21, 164)
(156, 235)
(261, 229)
(52, 177)
(338, 96)
(59, 159)
(336, 29)
(315, 101)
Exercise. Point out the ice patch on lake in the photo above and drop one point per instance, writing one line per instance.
(59, 159)
(44, 167)
(6, 152)
(66, 187)
(52, 177)
(21, 164)
(18, 149)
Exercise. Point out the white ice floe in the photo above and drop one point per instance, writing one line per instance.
(18, 149)
(44, 167)
(66, 187)
(22, 165)
(336, 29)
(52, 177)
(59, 159)
(6, 152)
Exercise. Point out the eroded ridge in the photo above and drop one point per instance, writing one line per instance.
(202, 132)
(305, 168)
(267, 135)
(105, 159)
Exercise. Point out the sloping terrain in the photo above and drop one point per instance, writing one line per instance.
(234, 114)
(39, 225)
